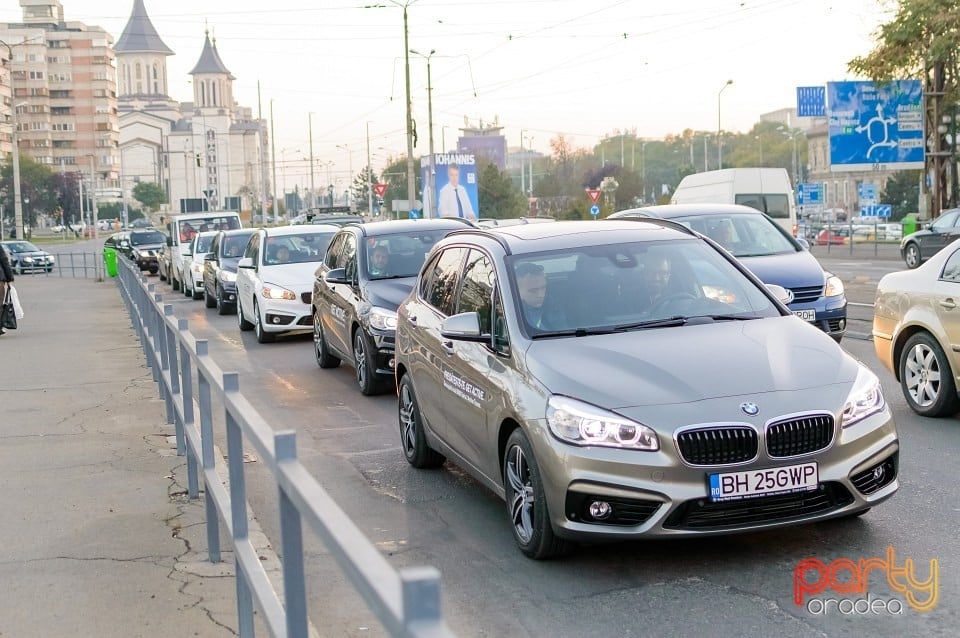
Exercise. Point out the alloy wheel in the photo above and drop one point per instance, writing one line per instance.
(408, 422)
(922, 375)
(360, 358)
(521, 494)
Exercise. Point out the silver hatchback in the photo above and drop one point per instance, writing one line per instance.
(619, 380)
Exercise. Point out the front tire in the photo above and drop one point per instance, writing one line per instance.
(262, 335)
(413, 439)
(526, 503)
(208, 300)
(324, 359)
(926, 378)
(221, 305)
(174, 282)
(912, 255)
(364, 359)
(245, 325)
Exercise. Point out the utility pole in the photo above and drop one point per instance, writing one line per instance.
(429, 189)
(411, 180)
(273, 162)
(523, 184)
(263, 163)
(369, 175)
(719, 139)
(93, 196)
(705, 138)
(312, 191)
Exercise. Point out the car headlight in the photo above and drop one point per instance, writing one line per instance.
(226, 275)
(865, 399)
(382, 319)
(834, 286)
(583, 424)
(28, 260)
(276, 292)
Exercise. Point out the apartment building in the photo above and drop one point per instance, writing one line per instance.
(6, 105)
(64, 91)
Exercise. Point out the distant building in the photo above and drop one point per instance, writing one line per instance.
(64, 90)
(485, 142)
(788, 117)
(6, 105)
(207, 154)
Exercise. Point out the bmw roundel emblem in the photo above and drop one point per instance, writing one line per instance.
(750, 409)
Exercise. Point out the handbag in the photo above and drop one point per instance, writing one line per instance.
(8, 316)
(15, 300)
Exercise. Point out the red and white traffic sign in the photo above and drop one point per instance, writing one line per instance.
(594, 194)
(380, 189)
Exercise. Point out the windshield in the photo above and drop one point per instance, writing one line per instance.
(142, 239)
(190, 227)
(21, 247)
(631, 286)
(234, 245)
(203, 244)
(296, 249)
(744, 235)
(400, 255)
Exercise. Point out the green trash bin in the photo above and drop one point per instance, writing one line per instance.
(909, 223)
(110, 260)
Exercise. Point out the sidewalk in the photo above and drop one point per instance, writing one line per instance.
(99, 538)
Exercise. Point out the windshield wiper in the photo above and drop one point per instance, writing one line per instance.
(730, 317)
(667, 322)
(578, 332)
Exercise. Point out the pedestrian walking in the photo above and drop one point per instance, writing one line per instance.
(6, 278)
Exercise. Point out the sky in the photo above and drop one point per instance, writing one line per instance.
(538, 67)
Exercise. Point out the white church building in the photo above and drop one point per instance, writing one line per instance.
(208, 154)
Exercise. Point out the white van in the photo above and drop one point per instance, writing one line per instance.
(766, 189)
(181, 230)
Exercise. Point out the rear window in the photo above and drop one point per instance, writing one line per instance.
(190, 227)
(776, 205)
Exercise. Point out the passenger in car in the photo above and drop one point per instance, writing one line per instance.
(532, 288)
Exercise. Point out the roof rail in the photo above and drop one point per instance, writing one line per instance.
(666, 223)
(484, 233)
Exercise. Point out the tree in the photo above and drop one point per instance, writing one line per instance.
(149, 194)
(902, 191)
(360, 189)
(395, 175)
(36, 188)
(922, 33)
(499, 196)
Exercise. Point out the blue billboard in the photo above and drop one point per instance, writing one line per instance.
(875, 127)
(456, 193)
(490, 147)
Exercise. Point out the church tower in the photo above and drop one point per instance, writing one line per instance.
(141, 59)
(212, 82)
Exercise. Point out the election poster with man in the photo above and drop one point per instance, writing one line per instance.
(455, 190)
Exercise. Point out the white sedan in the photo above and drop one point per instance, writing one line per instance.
(192, 267)
(275, 279)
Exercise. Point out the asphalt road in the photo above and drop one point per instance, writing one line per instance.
(725, 586)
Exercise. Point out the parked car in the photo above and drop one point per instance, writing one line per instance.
(924, 244)
(834, 236)
(628, 379)
(164, 261)
(182, 228)
(770, 252)
(367, 272)
(141, 222)
(275, 279)
(193, 262)
(26, 257)
(916, 324)
(220, 269)
(144, 248)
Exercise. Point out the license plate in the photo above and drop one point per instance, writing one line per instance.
(732, 486)
(806, 315)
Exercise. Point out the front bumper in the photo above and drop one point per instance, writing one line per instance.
(384, 343)
(831, 314)
(282, 315)
(656, 494)
(148, 263)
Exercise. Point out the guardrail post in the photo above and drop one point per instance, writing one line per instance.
(186, 388)
(420, 589)
(291, 539)
(209, 461)
(162, 334)
(155, 329)
(238, 503)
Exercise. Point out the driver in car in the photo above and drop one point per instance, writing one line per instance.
(656, 280)
(532, 289)
(379, 260)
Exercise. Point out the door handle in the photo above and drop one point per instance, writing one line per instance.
(948, 303)
(447, 346)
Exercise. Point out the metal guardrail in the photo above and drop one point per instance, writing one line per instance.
(73, 266)
(406, 601)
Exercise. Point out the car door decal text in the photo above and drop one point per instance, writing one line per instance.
(467, 391)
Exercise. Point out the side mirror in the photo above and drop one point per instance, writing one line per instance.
(169, 241)
(463, 327)
(246, 262)
(803, 243)
(209, 257)
(337, 276)
(783, 295)
(188, 254)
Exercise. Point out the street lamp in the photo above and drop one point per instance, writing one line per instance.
(760, 143)
(719, 140)
(529, 139)
(430, 187)
(17, 202)
(793, 135)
